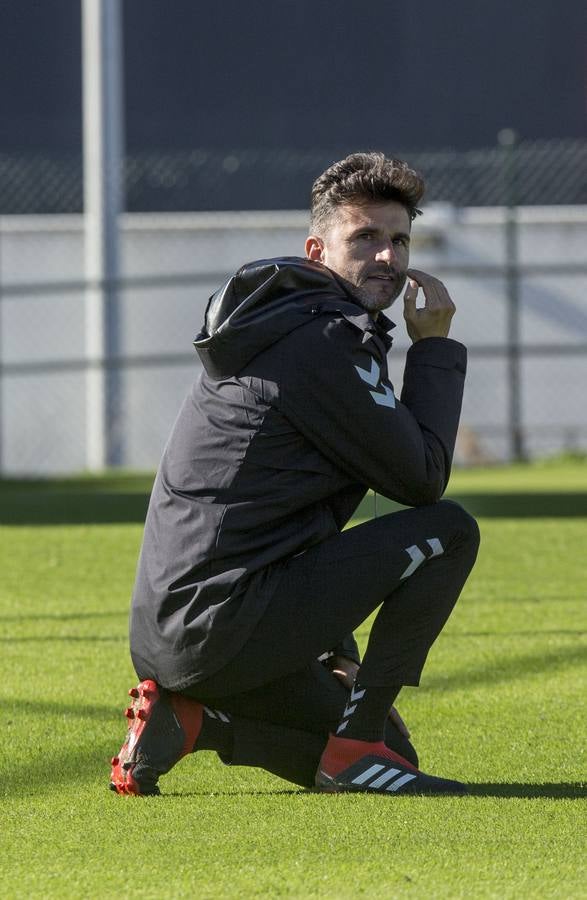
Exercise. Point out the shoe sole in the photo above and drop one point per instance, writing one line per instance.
(144, 699)
(336, 788)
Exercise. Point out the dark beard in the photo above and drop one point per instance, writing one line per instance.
(372, 304)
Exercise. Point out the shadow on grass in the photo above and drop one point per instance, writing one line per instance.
(124, 500)
(504, 505)
(507, 668)
(549, 791)
(42, 775)
(286, 792)
(536, 633)
(524, 506)
(72, 508)
(48, 769)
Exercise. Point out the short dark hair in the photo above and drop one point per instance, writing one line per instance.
(364, 178)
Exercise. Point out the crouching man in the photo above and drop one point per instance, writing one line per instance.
(248, 589)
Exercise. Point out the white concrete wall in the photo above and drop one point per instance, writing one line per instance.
(42, 414)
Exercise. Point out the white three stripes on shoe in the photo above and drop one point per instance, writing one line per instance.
(364, 776)
(383, 777)
(403, 780)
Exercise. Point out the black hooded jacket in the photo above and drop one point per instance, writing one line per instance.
(292, 419)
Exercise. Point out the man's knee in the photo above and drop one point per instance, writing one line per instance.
(464, 524)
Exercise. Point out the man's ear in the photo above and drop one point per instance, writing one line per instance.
(315, 248)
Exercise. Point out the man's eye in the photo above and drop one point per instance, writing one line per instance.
(365, 236)
(401, 241)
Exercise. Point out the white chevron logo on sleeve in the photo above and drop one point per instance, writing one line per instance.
(372, 377)
(386, 399)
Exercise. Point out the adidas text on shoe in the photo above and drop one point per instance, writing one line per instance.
(359, 766)
(162, 728)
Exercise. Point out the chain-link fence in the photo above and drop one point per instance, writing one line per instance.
(546, 173)
(504, 228)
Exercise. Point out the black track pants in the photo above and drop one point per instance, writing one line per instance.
(284, 726)
(413, 563)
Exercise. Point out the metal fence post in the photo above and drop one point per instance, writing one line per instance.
(507, 139)
(103, 142)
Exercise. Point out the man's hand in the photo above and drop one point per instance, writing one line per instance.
(346, 671)
(434, 318)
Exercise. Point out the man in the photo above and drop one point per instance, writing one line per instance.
(248, 589)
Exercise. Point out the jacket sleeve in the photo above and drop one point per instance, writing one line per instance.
(334, 389)
(344, 503)
(348, 647)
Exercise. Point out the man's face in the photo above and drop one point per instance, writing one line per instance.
(368, 246)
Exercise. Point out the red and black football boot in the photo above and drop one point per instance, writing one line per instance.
(350, 765)
(162, 728)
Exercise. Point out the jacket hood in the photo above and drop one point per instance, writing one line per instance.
(265, 301)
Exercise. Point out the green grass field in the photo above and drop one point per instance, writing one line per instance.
(501, 706)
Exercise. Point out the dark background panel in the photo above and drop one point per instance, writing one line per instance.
(297, 74)
(40, 76)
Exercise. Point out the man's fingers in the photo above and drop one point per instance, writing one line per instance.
(410, 296)
(434, 295)
(435, 292)
(346, 678)
(421, 278)
(434, 316)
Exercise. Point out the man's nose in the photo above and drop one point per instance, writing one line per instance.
(386, 253)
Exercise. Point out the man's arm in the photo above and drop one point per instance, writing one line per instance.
(334, 389)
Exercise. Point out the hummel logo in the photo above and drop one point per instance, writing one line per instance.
(383, 777)
(216, 714)
(386, 399)
(418, 557)
(372, 377)
(357, 695)
(350, 707)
